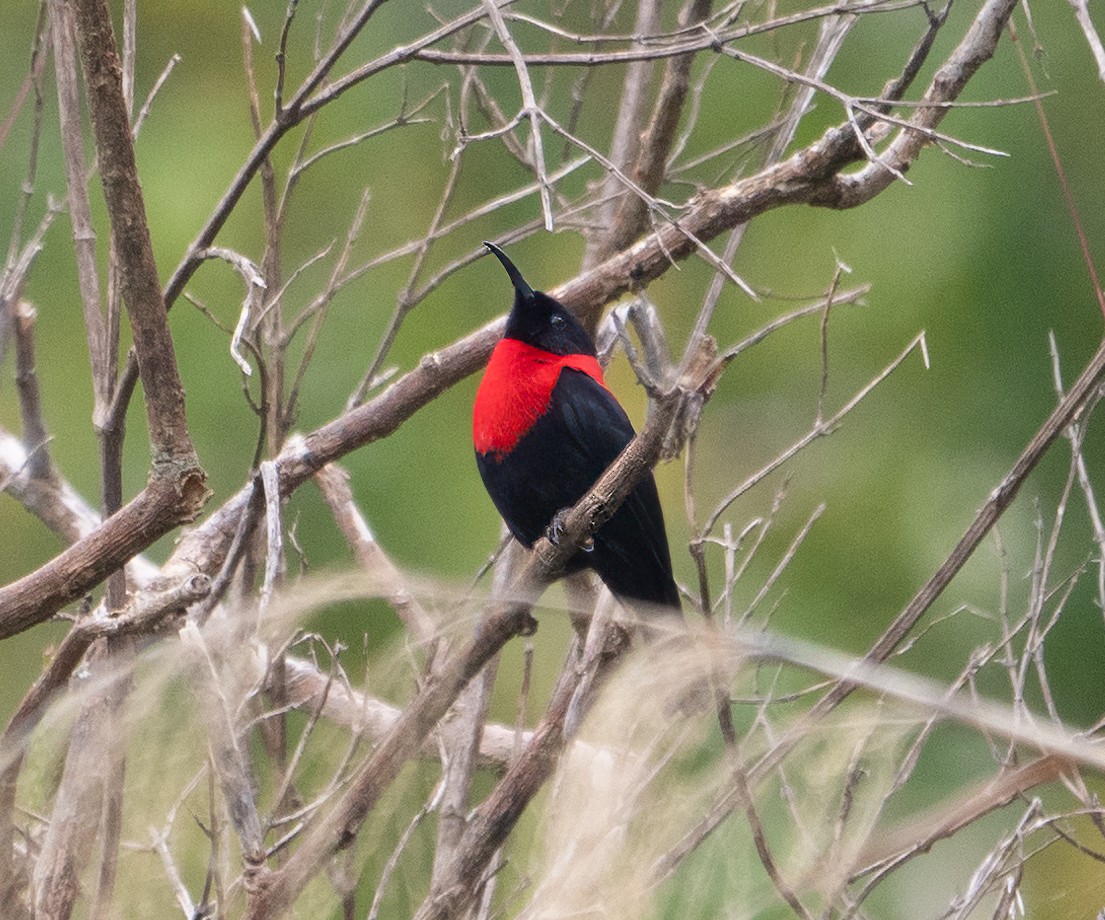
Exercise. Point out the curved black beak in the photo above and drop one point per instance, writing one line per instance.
(520, 283)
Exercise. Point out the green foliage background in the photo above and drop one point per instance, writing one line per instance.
(985, 260)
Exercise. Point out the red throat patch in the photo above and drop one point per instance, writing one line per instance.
(515, 392)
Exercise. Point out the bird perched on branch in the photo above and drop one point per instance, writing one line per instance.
(546, 427)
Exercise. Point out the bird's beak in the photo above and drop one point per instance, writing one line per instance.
(520, 283)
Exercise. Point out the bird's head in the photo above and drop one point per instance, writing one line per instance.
(539, 320)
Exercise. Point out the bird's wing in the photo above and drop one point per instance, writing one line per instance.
(594, 424)
(631, 550)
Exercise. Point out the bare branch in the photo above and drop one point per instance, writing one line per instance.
(493, 820)
(656, 143)
(1082, 14)
(701, 39)
(39, 465)
(228, 758)
(819, 430)
(80, 213)
(130, 235)
(255, 286)
(337, 830)
(530, 109)
(628, 146)
(333, 481)
(144, 112)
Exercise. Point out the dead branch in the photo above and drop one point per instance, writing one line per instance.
(80, 212)
(174, 455)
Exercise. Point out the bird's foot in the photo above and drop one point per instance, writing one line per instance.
(555, 531)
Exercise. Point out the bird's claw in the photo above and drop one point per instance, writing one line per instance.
(555, 531)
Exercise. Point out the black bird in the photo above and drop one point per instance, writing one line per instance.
(546, 427)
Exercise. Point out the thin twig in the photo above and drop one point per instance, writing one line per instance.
(530, 109)
(818, 430)
(80, 212)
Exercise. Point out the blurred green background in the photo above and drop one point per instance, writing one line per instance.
(985, 260)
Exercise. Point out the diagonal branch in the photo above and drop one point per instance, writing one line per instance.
(976, 48)
(158, 509)
(490, 824)
(628, 145)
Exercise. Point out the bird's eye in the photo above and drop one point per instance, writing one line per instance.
(557, 320)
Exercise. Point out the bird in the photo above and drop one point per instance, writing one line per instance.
(545, 427)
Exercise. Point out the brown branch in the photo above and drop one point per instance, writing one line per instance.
(530, 110)
(490, 825)
(461, 734)
(15, 313)
(288, 117)
(975, 49)
(297, 110)
(399, 55)
(702, 40)
(54, 502)
(176, 489)
(1000, 498)
(631, 219)
(811, 174)
(63, 32)
(204, 548)
(333, 482)
(8, 291)
(808, 176)
(406, 300)
(158, 509)
(794, 181)
(130, 236)
(920, 834)
(269, 325)
(39, 465)
(627, 146)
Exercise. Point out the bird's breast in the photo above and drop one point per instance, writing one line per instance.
(515, 393)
